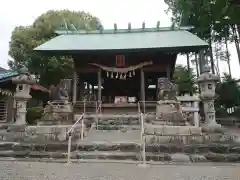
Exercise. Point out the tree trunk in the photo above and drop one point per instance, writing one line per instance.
(238, 30)
(197, 66)
(188, 62)
(201, 61)
(227, 55)
(236, 40)
(217, 59)
(211, 54)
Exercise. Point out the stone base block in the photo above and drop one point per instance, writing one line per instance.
(162, 130)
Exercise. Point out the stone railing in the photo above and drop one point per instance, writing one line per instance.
(190, 104)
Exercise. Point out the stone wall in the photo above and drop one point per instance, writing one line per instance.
(38, 133)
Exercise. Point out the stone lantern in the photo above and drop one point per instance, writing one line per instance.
(207, 83)
(23, 82)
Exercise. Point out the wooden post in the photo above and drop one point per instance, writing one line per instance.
(168, 73)
(142, 89)
(81, 88)
(88, 86)
(93, 92)
(74, 97)
(156, 88)
(99, 85)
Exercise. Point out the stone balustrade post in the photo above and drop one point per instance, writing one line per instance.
(195, 114)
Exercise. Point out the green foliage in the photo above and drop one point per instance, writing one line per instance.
(229, 93)
(221, 112)
(33, 114)
(25, 39)
(236, 113)
(184, 79)
(204, 14)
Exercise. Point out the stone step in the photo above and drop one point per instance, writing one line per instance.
(161, 148)
(132, 156)
(118, 127)
(124, 151)
(175, 157)
(107, 155)
(123, 147)
(192, 139)
(118, 122)
(107, 146)
(33, 146)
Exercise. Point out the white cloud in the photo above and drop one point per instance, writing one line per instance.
(14, 13)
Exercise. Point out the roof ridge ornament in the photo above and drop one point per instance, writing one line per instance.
(143, 25)
(115, 27)
(158, 25)
(129, 27)
(101, 30)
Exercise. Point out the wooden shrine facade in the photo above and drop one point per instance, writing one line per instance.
(126, 76)
(120, 65)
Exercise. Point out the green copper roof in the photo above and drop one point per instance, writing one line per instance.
(122, 40)
(7, 75)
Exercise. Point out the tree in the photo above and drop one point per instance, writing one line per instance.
(213, 20)
(24, 39)
(185, 79)
(229, 92)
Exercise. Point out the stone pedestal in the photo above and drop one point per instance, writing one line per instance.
(209, 110)
(21, 112)
(167, 113)
(57, 113)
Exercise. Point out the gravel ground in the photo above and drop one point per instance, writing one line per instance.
(114, 171)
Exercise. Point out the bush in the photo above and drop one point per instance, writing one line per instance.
(236, 113)
(221, 112)
(33, 114)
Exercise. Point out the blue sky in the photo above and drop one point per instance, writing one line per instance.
(14, 13)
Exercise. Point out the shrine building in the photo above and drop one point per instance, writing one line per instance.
(122, 63)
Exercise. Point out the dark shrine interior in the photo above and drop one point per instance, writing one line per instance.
(112, 85)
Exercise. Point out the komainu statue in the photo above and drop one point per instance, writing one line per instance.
(59, 109)
(58, 93)
(168, 108)
(166, 89)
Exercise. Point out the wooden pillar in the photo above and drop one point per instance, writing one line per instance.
(88, 88)
(81, 87)
(142, 81)
(168, 70)
(99, 85)
(10, 110)
(156, 93)
(92, 87)
(74, 96)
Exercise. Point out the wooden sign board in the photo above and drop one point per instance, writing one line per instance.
(121, 100)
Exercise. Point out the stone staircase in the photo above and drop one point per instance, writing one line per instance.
(121, 142)
(114, 121)
(118, 137)
(36, 141)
